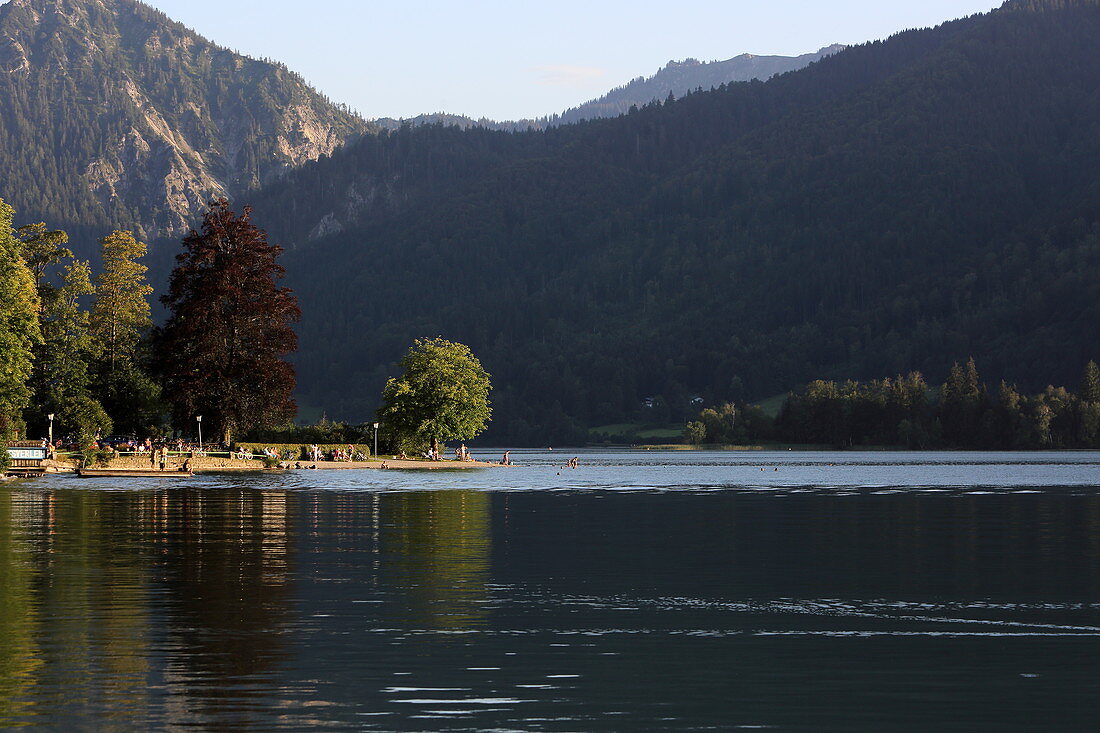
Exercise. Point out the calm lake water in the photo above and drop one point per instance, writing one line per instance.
(641, 591)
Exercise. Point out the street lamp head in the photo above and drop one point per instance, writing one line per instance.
(198, 418)
(376, 426)
(50, 416)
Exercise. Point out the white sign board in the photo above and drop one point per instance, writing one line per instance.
(27, 454)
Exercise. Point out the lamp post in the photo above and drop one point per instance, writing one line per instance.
(50, 416)
(198, 419)
(376, 441)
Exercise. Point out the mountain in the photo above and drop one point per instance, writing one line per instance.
(677, 78)
(682, 77)
(113, 115)
(898, 205)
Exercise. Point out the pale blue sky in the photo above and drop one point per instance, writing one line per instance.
(509, 60)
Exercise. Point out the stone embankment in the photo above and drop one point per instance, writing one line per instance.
(200, 463)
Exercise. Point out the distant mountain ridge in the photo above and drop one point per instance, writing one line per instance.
(681, 77)
(677, 78)
(117, 115)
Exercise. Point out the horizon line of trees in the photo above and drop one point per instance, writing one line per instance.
(79, 352)
(905, 411)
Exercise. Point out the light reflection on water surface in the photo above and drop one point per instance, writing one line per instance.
(640, 591)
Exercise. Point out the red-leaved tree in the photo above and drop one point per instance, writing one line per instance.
(220, 354)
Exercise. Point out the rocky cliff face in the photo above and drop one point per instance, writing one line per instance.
(116, 115)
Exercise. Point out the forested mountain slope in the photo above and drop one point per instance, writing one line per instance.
(897, 206)
(114, 115)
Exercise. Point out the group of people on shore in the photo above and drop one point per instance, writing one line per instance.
(159, 450)
(158, 459)
(348, 453)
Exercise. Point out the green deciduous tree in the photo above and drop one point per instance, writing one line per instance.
(19, 332)
(443, 394)
(695, 432)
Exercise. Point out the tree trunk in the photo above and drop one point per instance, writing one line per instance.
(435, 446)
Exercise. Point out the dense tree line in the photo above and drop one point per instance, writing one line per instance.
(905, 411)
(71, 343)
(78, 353)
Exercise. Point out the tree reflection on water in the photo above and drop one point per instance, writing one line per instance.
(442, 543)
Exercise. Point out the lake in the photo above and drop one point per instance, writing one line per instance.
(643, 590)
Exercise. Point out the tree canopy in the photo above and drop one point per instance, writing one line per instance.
(905, 411)
(442, 394)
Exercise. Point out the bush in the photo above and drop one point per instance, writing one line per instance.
(695, 432)
(299, 451)
(96, 457)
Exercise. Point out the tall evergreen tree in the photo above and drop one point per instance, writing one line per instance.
(1090, 383)
(220, 354)
(962, 401)
(1088, 424)
(19, 331)
(119, 317)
